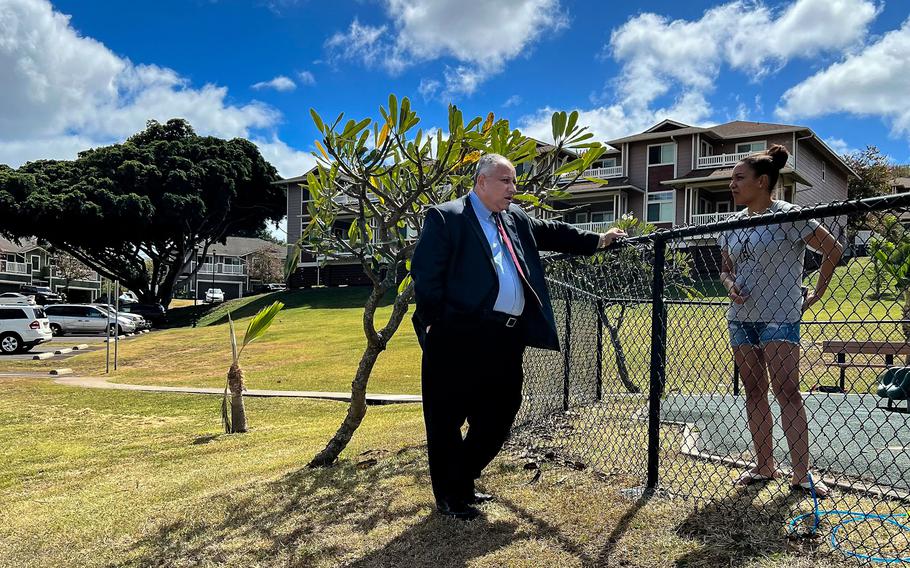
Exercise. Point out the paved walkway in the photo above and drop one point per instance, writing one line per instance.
(101, 383)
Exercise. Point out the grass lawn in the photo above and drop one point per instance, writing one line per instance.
(315, 343)
(107, 478)
(111, 478)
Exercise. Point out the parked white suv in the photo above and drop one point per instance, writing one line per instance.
(213, 295)
(82, 318)
(22, 327)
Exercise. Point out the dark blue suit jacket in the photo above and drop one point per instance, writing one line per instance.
(453, 270)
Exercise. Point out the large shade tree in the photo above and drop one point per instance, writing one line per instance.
(377, 178)
(163, 196)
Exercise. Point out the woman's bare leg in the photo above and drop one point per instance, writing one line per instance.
(752, 371)
(783, 366)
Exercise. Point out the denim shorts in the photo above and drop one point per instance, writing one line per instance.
(760, 334)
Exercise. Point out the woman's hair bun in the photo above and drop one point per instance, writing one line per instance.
(778, 155)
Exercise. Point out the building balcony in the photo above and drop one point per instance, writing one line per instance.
(707, 218)
(721, 160)
(220, 268)
(15, 267)
(602, 173)
(598, 227)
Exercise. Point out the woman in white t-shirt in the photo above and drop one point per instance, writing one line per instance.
(762, 270)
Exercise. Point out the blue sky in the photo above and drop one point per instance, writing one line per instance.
(77, 73)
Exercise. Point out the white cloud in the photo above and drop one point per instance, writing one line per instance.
(616, 121)
(306, 78)
(279, 83)
(514, 100)
(659, 55)
(288, 161)
(63, 92)
(682, 59)
(428, 88)
(874, 81)
(481, 36)
(840, 146)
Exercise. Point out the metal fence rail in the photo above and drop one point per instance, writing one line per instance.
(649, 387)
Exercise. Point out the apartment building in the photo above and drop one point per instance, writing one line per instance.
(670, 174)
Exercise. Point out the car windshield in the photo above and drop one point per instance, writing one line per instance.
(43, 289)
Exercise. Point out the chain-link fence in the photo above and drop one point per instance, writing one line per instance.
(746, 363)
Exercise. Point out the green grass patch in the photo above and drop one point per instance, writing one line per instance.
(107, 478)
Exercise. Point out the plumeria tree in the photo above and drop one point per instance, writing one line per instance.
(375, 178)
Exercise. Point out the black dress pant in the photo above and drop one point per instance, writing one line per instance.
(471, 372)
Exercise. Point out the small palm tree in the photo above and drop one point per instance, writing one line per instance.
(235, 421)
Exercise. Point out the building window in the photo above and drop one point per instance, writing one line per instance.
(751, 147)
(602, 217)
(661, 154)
(661, 207)
(581, 217)
(824, 170)
(608, 163)
(706, 149)
(36, 262)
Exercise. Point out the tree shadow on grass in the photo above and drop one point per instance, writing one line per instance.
(603, 558)
(740, 528)
(315, 298)
(373, 514)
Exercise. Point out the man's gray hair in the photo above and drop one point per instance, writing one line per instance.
(487, 162)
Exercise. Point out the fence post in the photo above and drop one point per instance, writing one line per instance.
(567, 352)
(658, 355)
(735, 379)
(600, 350)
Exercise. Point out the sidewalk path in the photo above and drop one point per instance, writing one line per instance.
(101, 383)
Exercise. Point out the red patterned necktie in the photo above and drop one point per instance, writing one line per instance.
(508, 242)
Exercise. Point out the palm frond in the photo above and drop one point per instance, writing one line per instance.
(260, 322)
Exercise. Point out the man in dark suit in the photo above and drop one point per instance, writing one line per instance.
(481, 299)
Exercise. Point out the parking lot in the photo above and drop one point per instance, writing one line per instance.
(61, 343)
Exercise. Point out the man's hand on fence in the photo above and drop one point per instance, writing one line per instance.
(606, 239)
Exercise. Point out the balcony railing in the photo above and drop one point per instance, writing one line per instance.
(706, 218)
(14, 267)
(598, 227)
(721, 160)
(602, 173)
(219, 268)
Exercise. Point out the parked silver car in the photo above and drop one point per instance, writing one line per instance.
(140, 322)
(82, 318)
(17, 298)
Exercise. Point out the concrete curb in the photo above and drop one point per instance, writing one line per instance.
(64, 371)
(42, 356)
(101, 383)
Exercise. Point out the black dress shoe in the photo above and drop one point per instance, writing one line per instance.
(457, 510)
(478, 497)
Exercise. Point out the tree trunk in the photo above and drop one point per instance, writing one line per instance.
(358, 407)
(237, 386)
(356, 411)
(619, 352)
